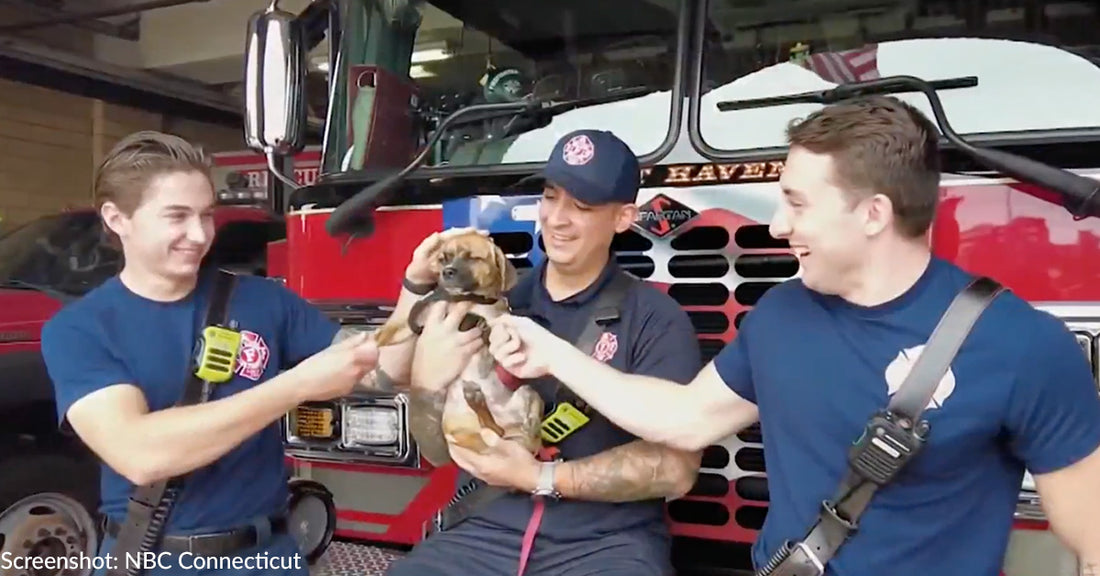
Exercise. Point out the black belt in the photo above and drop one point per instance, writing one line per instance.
(218, 543)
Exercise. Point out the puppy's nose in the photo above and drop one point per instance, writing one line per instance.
(449, 273)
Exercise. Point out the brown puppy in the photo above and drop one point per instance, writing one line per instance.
(472, 267)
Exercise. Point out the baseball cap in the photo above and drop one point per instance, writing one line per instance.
(594, 166)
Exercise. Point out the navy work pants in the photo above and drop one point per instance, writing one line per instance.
(476, 548)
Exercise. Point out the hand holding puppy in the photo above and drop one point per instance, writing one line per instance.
(443, 350)
(334, 371)
(505, 463)
(419, 269)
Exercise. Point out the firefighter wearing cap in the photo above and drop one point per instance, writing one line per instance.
(597, 508)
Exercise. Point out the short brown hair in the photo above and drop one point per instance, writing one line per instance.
(126, 171)
(880, 145)
(136, 160)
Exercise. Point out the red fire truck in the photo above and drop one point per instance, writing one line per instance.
(436, 109)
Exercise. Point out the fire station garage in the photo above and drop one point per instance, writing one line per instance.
(343, 132)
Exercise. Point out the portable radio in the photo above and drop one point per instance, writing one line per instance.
(563, 421)
(217, 355)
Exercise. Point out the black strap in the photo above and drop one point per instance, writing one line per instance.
(476, 494)
(840, 518)
(151, 504)
(606, 311)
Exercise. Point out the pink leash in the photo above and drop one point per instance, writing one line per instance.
(545, 454)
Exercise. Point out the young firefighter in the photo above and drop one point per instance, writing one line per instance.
(119, 358)
(820, 354)
(604, 501)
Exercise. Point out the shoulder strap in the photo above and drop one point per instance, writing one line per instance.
(869, 469)
(606, 311)
(151, 504)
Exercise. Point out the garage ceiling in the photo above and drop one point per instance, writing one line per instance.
(187, 49)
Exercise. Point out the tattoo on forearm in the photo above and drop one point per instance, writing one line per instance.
(425, 424)
(635, 471)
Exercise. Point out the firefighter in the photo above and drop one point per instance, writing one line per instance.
(820, 354)
(593, 504)
(119, 359)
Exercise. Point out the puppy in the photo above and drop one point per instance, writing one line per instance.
(472, 267)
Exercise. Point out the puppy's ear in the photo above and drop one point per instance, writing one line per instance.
(506, 269)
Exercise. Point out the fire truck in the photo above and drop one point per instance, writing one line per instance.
(426, 131)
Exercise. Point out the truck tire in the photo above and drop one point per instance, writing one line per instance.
(47, 509)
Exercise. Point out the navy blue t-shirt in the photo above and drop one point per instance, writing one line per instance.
(1019, 394)
(653, 337)
(114, 336)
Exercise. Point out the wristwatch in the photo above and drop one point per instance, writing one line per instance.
(418, 289)
(545, 486)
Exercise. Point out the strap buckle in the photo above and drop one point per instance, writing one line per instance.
(830, 513)
(808, 556)
(606, 315)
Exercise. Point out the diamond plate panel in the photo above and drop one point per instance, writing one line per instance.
(348, 559)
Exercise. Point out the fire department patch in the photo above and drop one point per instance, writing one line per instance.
(252, 359)
(578, 151)
(662, 215)
(606, 347)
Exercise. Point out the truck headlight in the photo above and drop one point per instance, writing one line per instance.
(371, 425)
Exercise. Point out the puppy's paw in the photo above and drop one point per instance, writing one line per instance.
(525, 408)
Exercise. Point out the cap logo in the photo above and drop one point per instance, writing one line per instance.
(578, 151)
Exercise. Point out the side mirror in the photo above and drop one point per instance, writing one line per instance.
(274, 84)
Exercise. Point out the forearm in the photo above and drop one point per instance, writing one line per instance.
(639, 470)
(652, 409)
(394, 364)
(425, 424)
(178, 440)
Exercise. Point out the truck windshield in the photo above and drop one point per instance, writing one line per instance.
(63, 254)
(403, 69)
(1035, 61)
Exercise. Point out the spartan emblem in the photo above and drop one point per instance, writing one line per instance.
(899, 369)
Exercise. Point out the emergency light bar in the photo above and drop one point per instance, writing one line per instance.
(359, 428)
